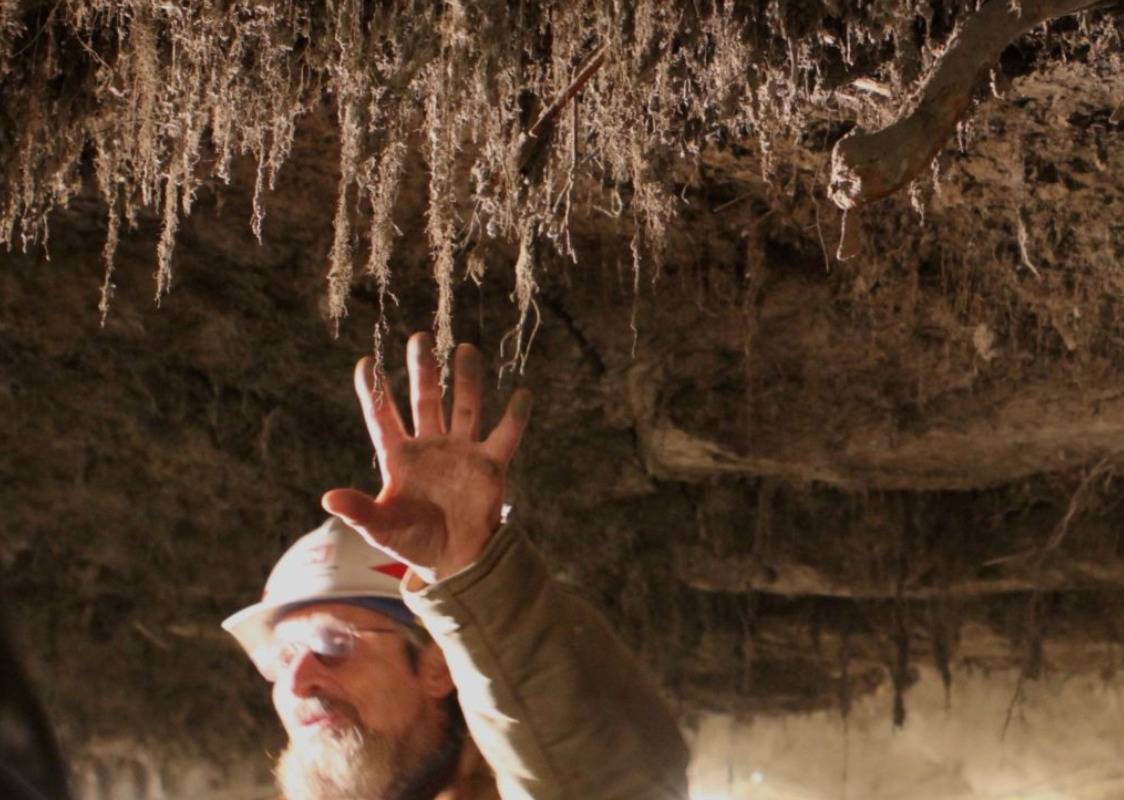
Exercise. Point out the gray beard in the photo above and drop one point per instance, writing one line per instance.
(351, 763)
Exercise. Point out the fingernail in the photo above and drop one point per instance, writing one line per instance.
(423, 340)
(521, 404)
(472, 363)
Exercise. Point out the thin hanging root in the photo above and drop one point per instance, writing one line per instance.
(112, 229)
(378, 355)
(633, 320)
(382, 187)
(524, 297)
(104, 171)
(340, 257)
(167, 241)
(1023, 239)
(383, 190)
(819, 235)
(257, 214)
(339, 273)
(443, 321)
(849, 241)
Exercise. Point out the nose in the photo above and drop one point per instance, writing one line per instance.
(305, 676)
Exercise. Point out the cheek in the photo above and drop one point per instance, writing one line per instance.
(389, 700)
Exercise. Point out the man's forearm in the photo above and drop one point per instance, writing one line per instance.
(554, 700)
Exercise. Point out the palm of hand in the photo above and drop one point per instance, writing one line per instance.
(442, 491)
(437, 491)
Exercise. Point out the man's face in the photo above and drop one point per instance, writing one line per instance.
(360, 727)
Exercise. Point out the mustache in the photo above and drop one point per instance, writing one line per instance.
(318, 705)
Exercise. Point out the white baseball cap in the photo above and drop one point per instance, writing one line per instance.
(332, 563)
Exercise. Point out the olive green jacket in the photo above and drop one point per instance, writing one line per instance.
(557, 705)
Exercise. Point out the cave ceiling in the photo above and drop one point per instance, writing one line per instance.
(793, 450)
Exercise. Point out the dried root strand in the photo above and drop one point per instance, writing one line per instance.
(105, 170)
(341, 266)
(168, 230)
(381, 184)
(519, 338)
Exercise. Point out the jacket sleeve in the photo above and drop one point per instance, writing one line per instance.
(558, 706)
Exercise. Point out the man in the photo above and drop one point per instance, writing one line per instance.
(376, 682)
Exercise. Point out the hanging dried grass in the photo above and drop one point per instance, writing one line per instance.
(519, 337)
(148, 88)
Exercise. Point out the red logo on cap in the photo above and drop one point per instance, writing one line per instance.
(393, 570)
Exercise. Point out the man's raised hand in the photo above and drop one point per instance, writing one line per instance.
(442, 488)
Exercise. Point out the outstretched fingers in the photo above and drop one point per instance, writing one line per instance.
(425, 386)
(468, 377)
(380, 412)
(501, 444)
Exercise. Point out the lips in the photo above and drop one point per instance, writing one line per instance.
(317, 719)
(322, 712)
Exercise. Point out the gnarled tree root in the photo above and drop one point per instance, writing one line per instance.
(869, 166)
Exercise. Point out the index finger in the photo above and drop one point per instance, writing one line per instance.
(380, 412)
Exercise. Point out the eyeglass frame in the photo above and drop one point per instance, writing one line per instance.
(414, 638)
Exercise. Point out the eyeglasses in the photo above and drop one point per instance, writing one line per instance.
(331, 641)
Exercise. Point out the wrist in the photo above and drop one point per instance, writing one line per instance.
(465, 544)
(470, 546)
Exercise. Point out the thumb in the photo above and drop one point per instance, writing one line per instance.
(410, 531)
(357, 509)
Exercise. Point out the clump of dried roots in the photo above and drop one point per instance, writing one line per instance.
(160, 97)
